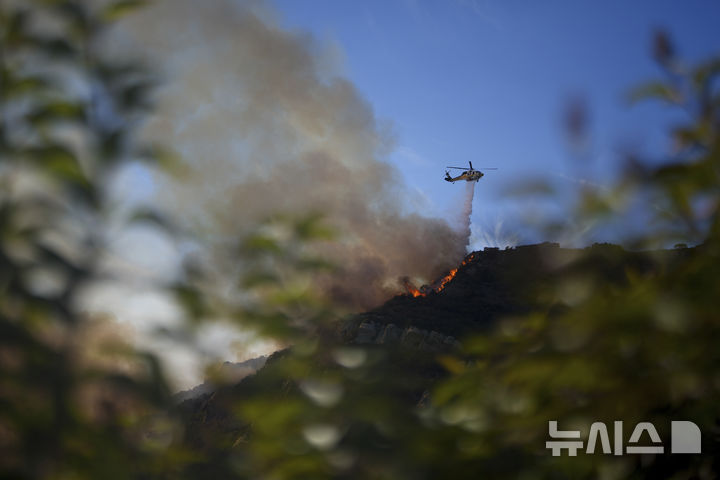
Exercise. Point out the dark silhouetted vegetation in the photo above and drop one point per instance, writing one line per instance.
(577, 336)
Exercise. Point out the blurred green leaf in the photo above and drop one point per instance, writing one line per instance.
(260, 243)
(56, 111)
(118, 9)
(704, 74)
(253, 280)
(165, 159)
(191, 300)
(22, 85)
(312, 228)
(655, 91)
(60, 163)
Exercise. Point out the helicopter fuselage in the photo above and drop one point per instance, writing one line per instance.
(468, 175)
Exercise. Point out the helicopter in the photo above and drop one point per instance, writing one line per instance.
(470, 175)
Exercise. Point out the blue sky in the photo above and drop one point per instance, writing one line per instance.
(488, 81)
(459, 80)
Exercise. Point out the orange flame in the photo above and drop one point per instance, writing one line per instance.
(439, 285)
(410, 288)
(415, 292)
(444, 281)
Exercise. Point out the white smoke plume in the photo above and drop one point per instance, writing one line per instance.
(267, 123)
(491, 232)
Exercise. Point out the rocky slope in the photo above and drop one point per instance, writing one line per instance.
(228, 372)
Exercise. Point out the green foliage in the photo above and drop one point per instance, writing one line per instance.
(74, 401)
(641, 347)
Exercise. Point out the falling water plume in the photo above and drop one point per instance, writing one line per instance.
(467, 211)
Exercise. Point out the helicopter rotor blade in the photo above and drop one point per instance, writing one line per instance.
(471, 168)
(474, 169)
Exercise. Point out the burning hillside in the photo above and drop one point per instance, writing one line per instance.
(438, 285)
(493, 284)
